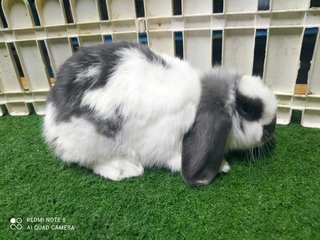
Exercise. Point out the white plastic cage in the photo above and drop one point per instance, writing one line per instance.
(253, 36)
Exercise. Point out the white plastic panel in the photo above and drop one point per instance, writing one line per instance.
(197, 22)
(87, 41)
(202, 42)
(59, 51)
(162, 42)
(287, 18)
(40, 107)
(241, 6)
(284, 115)
(312, 18)
(8, 74)
(156, 8)
(314, 74)
(2, 110)
(32, 65)
(17, 108)
(39, 102)
(311, 118)
(311, 115)
(159, 24)
(85, 11)
(125, 36)
(290, 4)
(121, 9)
(282, 59)
(298, 102)
(50, 12)
(16, 104)
(17, 13)
(239, 44)
(124, 26)
(240, 21)
(189, 8)
(262, 20)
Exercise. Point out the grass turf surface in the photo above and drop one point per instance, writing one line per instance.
(273, 198)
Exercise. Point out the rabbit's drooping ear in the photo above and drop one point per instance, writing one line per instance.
(204, 147)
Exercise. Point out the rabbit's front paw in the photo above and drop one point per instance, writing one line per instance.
(119, 169)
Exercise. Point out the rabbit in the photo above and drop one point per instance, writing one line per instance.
(118, 108)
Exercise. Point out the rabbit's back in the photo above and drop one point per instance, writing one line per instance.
(121, 100)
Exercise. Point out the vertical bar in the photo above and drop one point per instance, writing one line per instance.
(121, 9)
(18, 14)
(198, 48)
(45, 55)
(201, 7)
(241, 6)
(282, 59)
(238, 49)
(162, 42)
(33, 65)
(314, 73)
(50, 13)
(290, 5)
(9, 75)
(59, 50)
(156, 8)
(85, 11)
(17, 65)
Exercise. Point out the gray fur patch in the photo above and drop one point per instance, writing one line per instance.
(108, 127)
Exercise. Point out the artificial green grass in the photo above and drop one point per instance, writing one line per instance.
(273, 198)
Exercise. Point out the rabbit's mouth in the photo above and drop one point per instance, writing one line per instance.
(258, 151)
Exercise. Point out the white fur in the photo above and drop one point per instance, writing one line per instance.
(250, 137)
(158, 105)
(252, 87)
(225, 167)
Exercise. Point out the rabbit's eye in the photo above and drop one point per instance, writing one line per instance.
(250, 109)
(247, 109)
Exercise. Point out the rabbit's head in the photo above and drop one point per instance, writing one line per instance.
(235, 112)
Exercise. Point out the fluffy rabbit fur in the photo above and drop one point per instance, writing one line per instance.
(120, 107)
